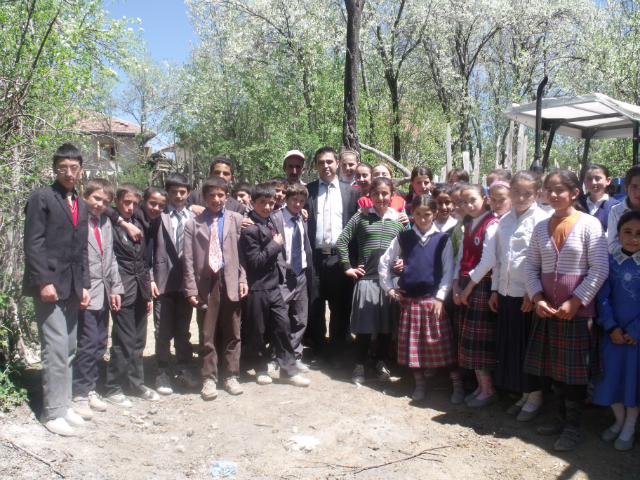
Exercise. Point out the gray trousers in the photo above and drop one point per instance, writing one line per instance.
(57, 326)
(296, 299)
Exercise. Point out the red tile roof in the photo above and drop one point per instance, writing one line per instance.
(100, 124)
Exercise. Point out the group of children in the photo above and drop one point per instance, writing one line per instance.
(520, 283)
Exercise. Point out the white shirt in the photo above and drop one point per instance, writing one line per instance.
(174, 220)
(612, 224)
(288, 236)
(349, 181)
(509, 252)
(593, 207)
(546, 208)
(450, 223)
(488, 243)
(336, 213)
(388, 260)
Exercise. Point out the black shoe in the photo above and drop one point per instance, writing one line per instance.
(318, 362)
(337, 363)
(571, 437)
(552, 427)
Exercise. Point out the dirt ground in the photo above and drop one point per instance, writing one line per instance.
(345, 428)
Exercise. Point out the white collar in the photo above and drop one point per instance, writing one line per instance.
(432, 231)
(288, 216)
(620, 257)
(172, 209)
(391, 213)
(335, 182)
(604, 198)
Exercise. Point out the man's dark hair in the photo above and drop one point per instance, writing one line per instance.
(263, 190)
(322, 150)
(225, 161)
(99, 184)
(296, 189)
(241, 187)
(275, 181)
(125, 188)
(214, 182)
(67, 151)
(176, 180)
(153, 190)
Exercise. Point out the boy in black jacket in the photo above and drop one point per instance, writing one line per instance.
(265, 316)
(56, 275)
(129, 332)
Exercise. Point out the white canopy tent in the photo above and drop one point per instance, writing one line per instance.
(592, 116)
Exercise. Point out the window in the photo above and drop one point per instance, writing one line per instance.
(107, 151)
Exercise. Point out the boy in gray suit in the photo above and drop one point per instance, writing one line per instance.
(106, 288)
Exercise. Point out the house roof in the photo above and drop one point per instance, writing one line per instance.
(595, 116)
(97, 124)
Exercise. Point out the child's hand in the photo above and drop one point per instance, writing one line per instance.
(149, 308)
(456, 293)
(569, 309)
(116, 302)
(195, 300)
(305, 214)
(399, 266)
(493, 302)
(628, 340)
(154, 290)
(527, 304)
(197, 209)
(464, 296)
(396, 294)
(133, 232)
(48, 293)
(436, 308)
(617, 337)
(356, 272)
(86, 299)
(364, 210)
(243, 290)
(543, 310)
(278, 239)
(246, 222)
(403, 218)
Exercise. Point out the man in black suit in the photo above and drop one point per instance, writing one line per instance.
(326, 221)
(56, 275)
(220, 167)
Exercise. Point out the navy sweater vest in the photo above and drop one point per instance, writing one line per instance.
(422, 271)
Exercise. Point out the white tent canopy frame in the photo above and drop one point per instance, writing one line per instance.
(593, 116)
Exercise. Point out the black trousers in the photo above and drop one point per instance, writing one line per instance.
(128, 339)
(172, 318)
(93, 336)
(329, 284)
(266, 320)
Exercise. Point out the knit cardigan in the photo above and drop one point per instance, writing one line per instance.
(578, 269)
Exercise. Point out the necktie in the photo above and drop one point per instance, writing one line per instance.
(179, 233)
(326, 217)
(96, 232)
(296, 247)
(215, 252)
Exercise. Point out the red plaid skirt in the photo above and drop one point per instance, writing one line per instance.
(477, 327)
(424, 341)
(568, 351)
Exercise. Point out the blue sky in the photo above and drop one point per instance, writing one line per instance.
(167, 31)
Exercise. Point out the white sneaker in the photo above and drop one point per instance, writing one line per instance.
(73, 419)
(119, 399)
(297, 381)
(263, 378)
(301, 367)
(81, 406)
(163, 384)
(272, 368)
(382, 372)
(358, 374)
(96, 403)
(59, 426)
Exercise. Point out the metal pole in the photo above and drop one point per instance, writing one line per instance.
(636, 141)
(535, 165)
(547, 149)
(585, 157)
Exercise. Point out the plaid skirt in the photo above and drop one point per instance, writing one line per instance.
(424, 341)
(477, 327)
(568, 351)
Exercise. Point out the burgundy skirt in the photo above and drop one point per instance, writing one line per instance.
(424, 341)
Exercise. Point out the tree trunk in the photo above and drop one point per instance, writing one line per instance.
(351, 79)
(392, 81)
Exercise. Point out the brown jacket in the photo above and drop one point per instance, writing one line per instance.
(197, 273)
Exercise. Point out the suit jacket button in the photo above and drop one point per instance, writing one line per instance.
(73, 246)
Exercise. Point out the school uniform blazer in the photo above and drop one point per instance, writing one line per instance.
(602, 213)
(197, 273)
(134, 270)
(55, 250)
(103, 268)
(167, 266)
(259, 255)
(349, 196)
(278, 222)
(196, 198)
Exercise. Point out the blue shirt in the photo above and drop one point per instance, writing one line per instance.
(209, 218)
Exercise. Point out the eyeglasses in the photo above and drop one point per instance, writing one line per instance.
(70, 168)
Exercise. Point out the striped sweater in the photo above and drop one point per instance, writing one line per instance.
(373, 235)
(578, 270)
